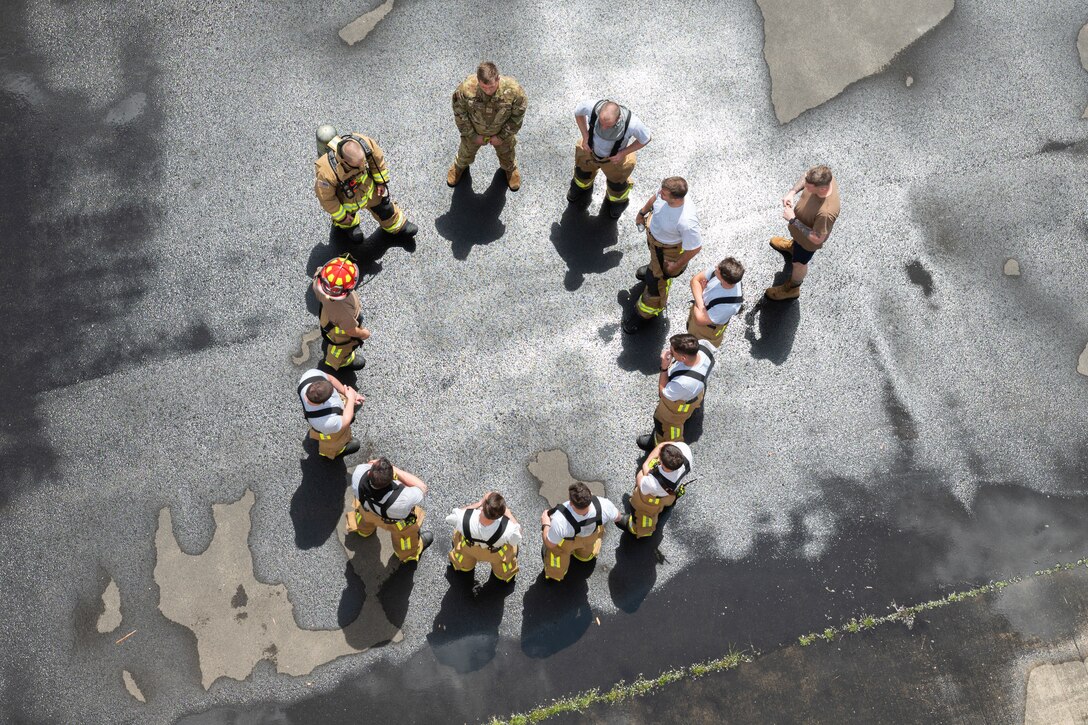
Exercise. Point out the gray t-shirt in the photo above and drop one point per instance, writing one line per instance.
(602, 146)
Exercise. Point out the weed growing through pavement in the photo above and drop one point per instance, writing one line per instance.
(900, 614)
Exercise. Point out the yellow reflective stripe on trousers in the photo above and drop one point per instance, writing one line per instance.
(583, 184)
(674, 431)
(339, 214)
(647, 309)
(622, 196)
(396, 224)
(647, 522)
(554, 561)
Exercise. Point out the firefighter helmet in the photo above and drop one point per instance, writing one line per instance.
(339, 276)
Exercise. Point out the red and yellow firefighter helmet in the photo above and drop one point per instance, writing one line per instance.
(339, 276)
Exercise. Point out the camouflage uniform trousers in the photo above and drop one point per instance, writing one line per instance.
(466, 153)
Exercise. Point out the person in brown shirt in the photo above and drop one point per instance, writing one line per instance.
(810, 221)
(334, 287)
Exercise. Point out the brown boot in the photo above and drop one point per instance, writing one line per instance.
(453, 176)
(513, 179)
(783, 245)
(789, 290)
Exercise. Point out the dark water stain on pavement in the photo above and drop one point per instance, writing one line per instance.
(914, 548)
(920, 276)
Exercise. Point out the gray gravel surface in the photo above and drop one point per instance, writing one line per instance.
(160, 154)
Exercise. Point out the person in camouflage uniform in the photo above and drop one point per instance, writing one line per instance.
(488, 109)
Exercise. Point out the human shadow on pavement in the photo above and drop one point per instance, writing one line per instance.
(362, 615)
(641, 350)
(473, 219)
(318, 503)
(556, 614)
(635, 572)
(581, 240)
(465, 635)
(776, 322)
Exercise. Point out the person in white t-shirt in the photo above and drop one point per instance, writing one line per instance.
(673, 237)
(611, 135)
(389, 498)
(717, 297)
(486, 531)
(658, 484)
(685, 365)
(574, 527)
(329, 407)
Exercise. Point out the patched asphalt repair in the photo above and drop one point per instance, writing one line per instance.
(914, 423)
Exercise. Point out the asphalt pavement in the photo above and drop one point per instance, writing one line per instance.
(912, 423)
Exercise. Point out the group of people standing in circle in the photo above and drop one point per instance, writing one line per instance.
(488, 109)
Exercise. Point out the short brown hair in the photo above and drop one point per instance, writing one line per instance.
(381, 473)
(731, 269)
(319, 391)
(685, 343)
(487, 72)
(494, 505)
(818, 176)
(671, 457)
(580, 495)
(676, 185)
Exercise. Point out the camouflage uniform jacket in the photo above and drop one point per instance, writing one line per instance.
(498, 115)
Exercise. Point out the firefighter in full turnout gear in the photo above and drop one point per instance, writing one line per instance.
(352, 176)
(685, 367)
(488, 109)
(389, 498)
(607, 131)
(486, 531)
(673, 238)
(658, 484)
(341, 313)
(574, 528)
(329, 407)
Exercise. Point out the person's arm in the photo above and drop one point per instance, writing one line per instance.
(379, 171)
(627, 150)
(349, 407)
(787, 198)
(409, 479)
(510, 515)
(336, 384)
(545, 529)
(672, 267)
(646, 209)
(517, 115)
(479, 503)
(698, 285)
(325, 191)
(663, 377)
(654, 455)
(813, 236)
(583, 126)
(460, 115)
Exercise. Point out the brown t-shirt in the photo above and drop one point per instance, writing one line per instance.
(817, 214)
(344, 313)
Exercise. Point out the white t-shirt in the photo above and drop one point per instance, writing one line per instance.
(686, 387)
(676, 224)
(480, 533)
(719, 314)
(650, 486)
(602, 146)
(327, 424)
(408, 499)
(561, 529)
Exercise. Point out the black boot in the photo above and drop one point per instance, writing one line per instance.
(358, 362)
(615, 208)
(351, 447)
(624, 524)
(633, 324)
(576, 192)
(641, 272)
(645, 442)
(427, 538)
(408, 230)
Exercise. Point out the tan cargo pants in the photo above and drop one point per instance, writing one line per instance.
(583, 548)
(646, 510)
(656, 295)
(405, 533)
(503, 561)
(618, 175)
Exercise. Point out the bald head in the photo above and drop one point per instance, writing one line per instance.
(609, 114)
(352, 152)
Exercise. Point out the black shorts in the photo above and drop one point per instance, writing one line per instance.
(800, 254)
